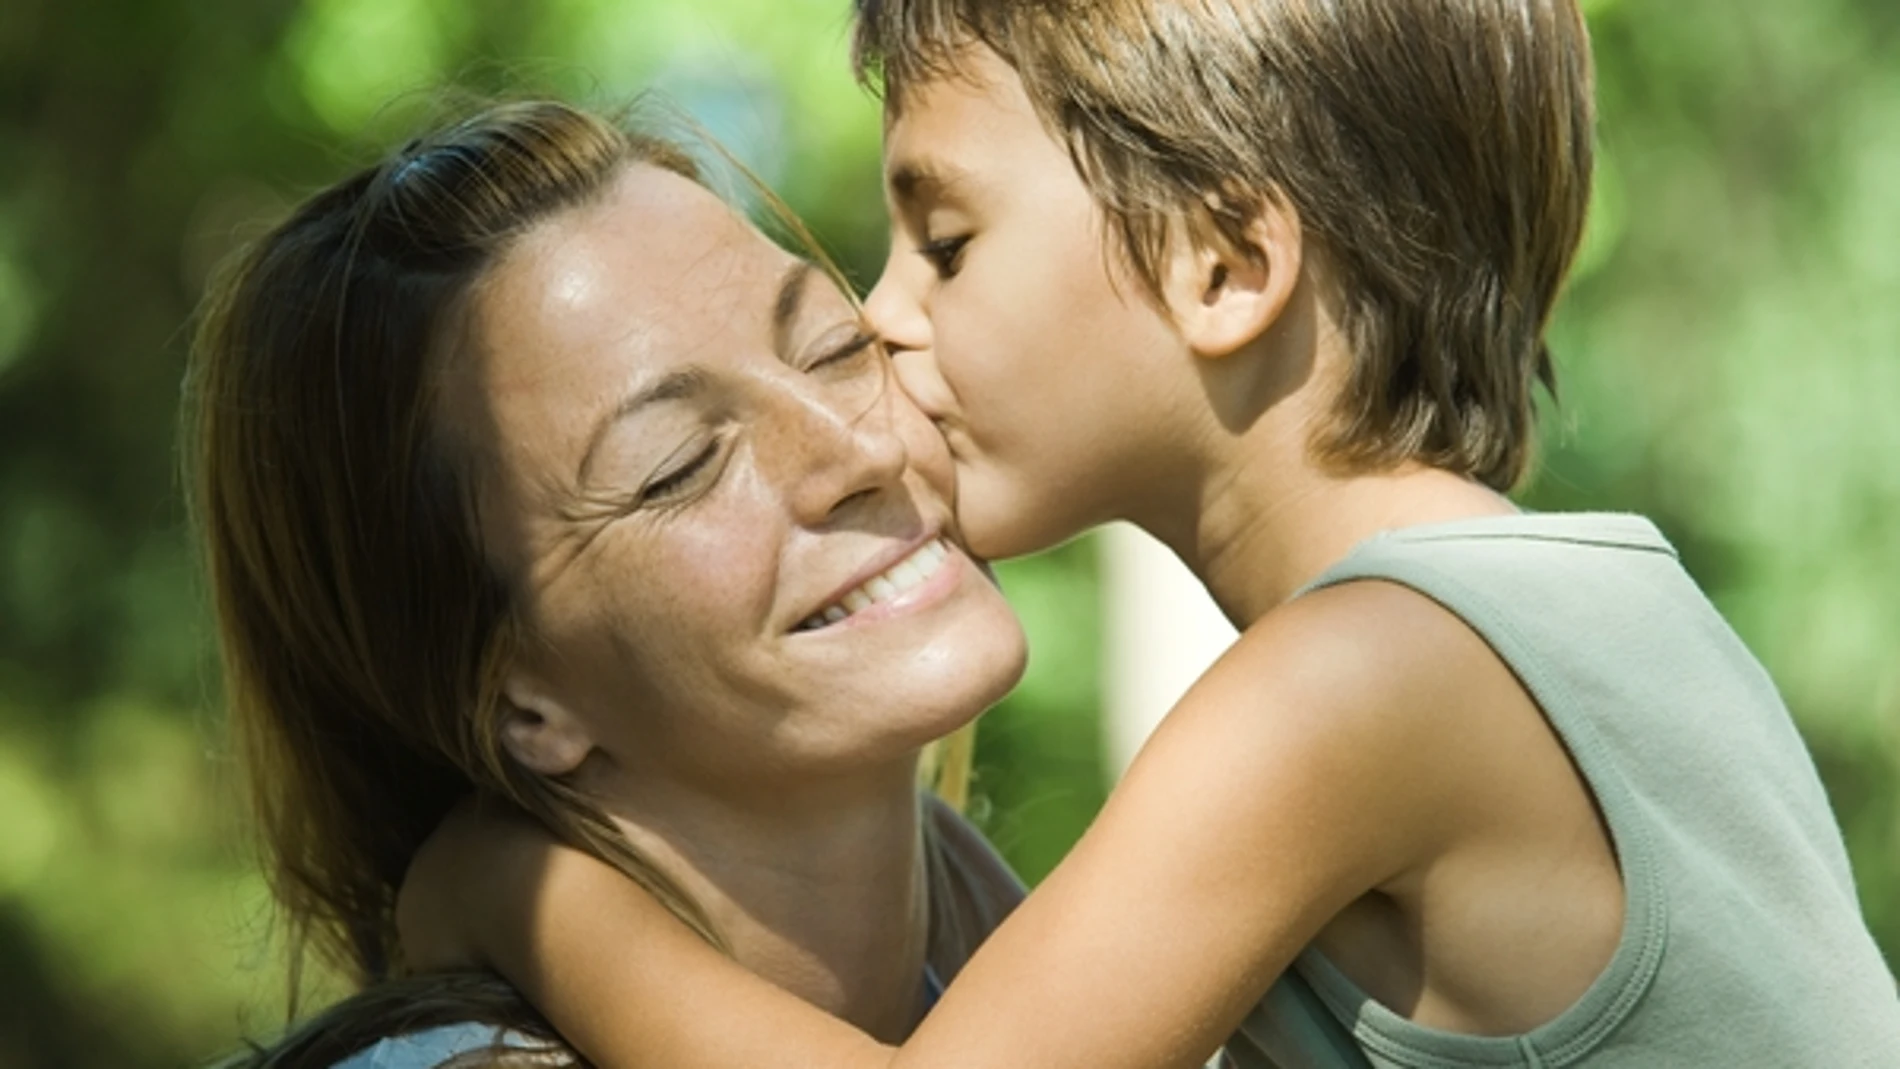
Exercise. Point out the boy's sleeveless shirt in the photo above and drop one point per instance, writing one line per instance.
(1743, 942)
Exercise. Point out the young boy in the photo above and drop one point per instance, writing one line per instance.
(1474, 787)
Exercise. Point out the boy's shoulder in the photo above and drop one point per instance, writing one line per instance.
(1545, 541)
(1515, 579)
(1370, 689)
(1375, 647)
(1382, 651)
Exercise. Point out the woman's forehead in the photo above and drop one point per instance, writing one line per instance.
(657, 266)
(595, 303)
(653, 245)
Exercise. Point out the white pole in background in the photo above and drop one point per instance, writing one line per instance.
(1161, 631)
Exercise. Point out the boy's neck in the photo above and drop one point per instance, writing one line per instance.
(826, 899)
(1264, 529)
(1248, 507)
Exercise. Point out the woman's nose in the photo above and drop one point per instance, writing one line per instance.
(836, 453)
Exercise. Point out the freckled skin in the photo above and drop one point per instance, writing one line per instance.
(674, 618)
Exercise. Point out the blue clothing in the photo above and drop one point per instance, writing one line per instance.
(933, 988)
(431, 1047)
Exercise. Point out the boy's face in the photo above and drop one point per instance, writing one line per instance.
(1040, 358)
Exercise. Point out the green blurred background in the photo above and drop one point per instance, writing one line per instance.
(1730, 350)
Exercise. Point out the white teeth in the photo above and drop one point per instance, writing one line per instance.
(906, 574)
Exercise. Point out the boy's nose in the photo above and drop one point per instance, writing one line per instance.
(898, 318)
(922, 381)
(894, 314)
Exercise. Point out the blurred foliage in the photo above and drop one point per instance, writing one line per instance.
(1728, 350)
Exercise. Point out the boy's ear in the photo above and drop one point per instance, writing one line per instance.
(539, 731)
(1223, 294)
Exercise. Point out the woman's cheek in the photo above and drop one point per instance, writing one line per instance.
(714, 570)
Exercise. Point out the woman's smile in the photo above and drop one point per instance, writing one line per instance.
(921, 577)
(768, 482)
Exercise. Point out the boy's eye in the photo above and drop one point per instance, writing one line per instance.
(945, 254)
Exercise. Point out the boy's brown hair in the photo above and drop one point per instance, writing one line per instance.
(1438, 152)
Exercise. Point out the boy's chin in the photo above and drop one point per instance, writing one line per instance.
(1002, 529)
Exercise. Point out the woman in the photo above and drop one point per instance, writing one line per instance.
(531, 476)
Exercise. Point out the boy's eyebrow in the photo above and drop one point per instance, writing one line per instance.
(912, 179)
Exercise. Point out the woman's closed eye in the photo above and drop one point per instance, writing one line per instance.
(677, 481)
(840, 347)
(691, 469)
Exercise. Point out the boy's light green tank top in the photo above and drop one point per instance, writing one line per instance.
(1743, 942)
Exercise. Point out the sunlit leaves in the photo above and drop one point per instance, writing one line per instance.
(355, 55)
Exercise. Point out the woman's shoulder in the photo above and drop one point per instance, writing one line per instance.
(972, 887)
(962, 842)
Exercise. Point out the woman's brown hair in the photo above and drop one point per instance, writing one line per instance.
(1438, 153)
(362, 630)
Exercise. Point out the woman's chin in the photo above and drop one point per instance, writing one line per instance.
(931, 705)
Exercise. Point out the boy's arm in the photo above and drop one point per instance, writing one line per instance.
(1322, 758)
(623, 980)
(1319, 760)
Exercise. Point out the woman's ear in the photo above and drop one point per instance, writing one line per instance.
(1224, 294)
(541, 732)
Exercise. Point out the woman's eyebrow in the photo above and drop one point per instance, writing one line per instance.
(678, 385)
(683, 384)
(791, 296)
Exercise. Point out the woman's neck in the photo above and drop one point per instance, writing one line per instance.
(823, 893)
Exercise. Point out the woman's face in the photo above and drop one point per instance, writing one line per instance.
(728, 533)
